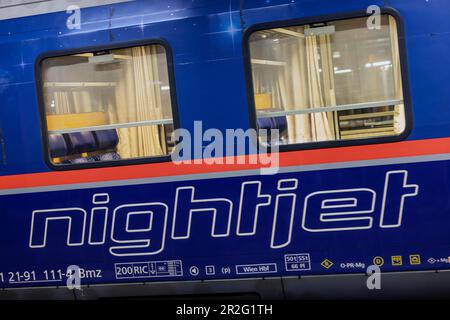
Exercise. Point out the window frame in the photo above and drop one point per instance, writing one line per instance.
(42, 108)
(323, 19)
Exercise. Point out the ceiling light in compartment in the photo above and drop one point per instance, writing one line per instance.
(105, 58)
(336, 54)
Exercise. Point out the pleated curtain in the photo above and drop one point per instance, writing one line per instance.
(308, 83)
(138, 98)
(399, 120)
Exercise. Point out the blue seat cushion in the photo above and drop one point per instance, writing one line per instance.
(272, 123)
(58, 146)
(106, 139)
(81, 142)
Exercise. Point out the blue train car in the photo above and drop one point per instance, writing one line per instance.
(357, 92)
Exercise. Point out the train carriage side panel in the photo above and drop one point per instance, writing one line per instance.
(331, 209)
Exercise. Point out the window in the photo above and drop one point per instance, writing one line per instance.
(330, 81)
(108, 106)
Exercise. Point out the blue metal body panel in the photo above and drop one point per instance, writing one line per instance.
(206, 40)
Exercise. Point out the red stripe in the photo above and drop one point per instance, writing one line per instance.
(168, 169)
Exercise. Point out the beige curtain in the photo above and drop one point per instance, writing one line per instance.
(320, 86)
(312, 78)
(298, 96)
(399, 120)
(138, 98)
(269, 79)
(70, 101)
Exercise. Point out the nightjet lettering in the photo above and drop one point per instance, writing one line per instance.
(142, 229)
